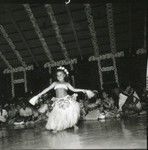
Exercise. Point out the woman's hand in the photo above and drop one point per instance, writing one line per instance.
(39, 96)
(84, 91)
(34, 100)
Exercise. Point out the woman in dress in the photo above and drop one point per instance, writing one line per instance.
(66, 110)
(3, 115)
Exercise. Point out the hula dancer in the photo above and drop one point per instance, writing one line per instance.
(66, 110)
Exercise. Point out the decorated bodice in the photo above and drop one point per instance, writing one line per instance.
(60, 86)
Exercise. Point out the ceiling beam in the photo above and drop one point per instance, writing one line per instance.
(110, 21)
(11, 44)
(5, 61)
(82, 21)
(91, 26)
(38, 32)
(109, 11)
(21, 35)
(72, 42)
(73, 28)
(80, 32)
(57, 30)
(57, 13)
(93, 34)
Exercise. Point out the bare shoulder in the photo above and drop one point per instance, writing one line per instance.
(54, 83)
(67, 83)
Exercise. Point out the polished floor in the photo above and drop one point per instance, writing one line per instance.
(109, 134)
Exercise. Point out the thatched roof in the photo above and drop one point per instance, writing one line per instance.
(73, 29)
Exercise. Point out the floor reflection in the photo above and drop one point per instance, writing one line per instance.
(114, 133)
(126, 133)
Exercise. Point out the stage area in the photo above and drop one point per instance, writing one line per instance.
(105, 134)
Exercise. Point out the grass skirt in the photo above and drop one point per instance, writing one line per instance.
(65, 113)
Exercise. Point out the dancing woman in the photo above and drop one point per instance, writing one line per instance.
(66, 110)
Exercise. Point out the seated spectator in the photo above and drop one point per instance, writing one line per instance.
(12, 113)
(94, 110)
(25, 113)
(107, 101)
(144, 99)
(132, 104)
(43, 108)
(3, 115)
(108, 105)
(82, 110)
(35, 114)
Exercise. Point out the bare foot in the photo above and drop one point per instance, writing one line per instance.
(54, 131)
(76, 128)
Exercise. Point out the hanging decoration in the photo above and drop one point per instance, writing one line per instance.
(5, 60)
(12, 85)
(106, 56)
(141, 51)
(109, 12)
(91, 26)
(18, 81)
(18, 69)
(59, 37)
(119, 54)
(60, 63)
(10, 15)
(110, 68)
(11, 44)
(57, 30)
(38, 32)
(111, 27)
(74, 30)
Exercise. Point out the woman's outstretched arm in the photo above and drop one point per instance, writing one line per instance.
(47, 89)
(75, 89)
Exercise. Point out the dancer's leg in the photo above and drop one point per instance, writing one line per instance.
(76, 127)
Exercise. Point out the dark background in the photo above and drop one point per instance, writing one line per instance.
(130, 71)
(129, 22)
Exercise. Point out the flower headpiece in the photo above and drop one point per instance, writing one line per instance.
(63, 69)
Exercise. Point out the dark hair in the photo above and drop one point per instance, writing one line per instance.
(66, 78)
(60, 70)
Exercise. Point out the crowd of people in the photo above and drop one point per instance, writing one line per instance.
(105, 104)
(115, 103)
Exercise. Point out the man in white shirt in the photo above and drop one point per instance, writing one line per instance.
(3, 115)
(129, 101)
